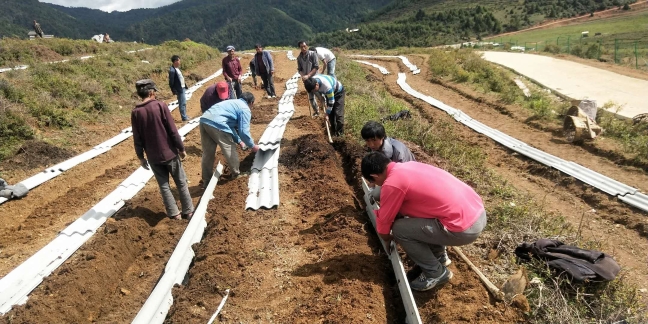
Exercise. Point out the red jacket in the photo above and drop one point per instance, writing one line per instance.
(232, 67)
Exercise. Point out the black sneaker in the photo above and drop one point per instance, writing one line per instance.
(444, 259)
(422, 283)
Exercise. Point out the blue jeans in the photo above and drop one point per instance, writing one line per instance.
(330, 68)
(182, 104)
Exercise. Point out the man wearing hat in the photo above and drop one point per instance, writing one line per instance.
(178, 86)
(232, 71)
(214, 94)
(155, 133)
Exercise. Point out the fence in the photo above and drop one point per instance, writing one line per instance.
(628, 52)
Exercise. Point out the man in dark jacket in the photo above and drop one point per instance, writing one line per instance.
(216, 93)
(264, 67)
(232, 71)
(155, 134)
(252, 71)
(37, 29)
(178, 86)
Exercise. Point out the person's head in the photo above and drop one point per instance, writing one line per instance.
(311, 85)
(258, 48)
(230, 51)
(222, 89)
(313, 49)
(175, 59)
(303, 46)
(146, 88)
(249, 98)
(373, 133)
(374, 167)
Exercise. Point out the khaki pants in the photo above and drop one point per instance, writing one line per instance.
(209, 138)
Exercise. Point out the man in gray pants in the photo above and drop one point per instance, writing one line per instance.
(307, 66)
(155, 133)
(437, 209)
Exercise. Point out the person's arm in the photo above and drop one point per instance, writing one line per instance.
(270, 62)
(315, 62)
(167, 119)
(391, 200)
(244, 128)
(172, 79)
(138, 142)
(239, 69)
(226, 74)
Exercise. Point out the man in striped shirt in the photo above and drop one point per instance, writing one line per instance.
(334, 94)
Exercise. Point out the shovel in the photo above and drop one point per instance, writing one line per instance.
(328, 131)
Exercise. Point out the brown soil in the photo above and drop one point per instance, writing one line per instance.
(36, 154)
(620, 229)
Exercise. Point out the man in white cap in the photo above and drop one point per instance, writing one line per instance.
(232, 71)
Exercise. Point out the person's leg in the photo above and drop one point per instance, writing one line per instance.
(264, 78)
(228, 148)
(180, 179)
(237, 88)
(271, 85)
(182, 105)
(330, 67)
(338, 114)
(161, 173)
(208, 143)
(232, 93)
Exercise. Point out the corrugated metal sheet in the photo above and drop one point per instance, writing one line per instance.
(263, 185)
(160, 300)
(290, 55)
(104, 147)
(606, 184)
(382, 69)
(411, 311)
(413, 68)
(23, 67)
(17, 284)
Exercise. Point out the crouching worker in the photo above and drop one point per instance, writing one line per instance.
(334, 94)
(439, 210)
(375, 137)
(155, 133)
(226, 124)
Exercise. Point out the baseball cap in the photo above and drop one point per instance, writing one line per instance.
(229, 48)
(147, 84)
(222, 89)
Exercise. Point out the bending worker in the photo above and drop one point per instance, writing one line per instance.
(440, 211)
(226, 124)
(333, 91)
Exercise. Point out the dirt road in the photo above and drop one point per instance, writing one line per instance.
(578, 81)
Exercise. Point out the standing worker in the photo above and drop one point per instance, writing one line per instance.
(328, 58)
(37, 29)
(253, 72)
(214, 94)
(307, 66)
(264, 67)
(441, 211)
(232, 71)
(155, 134)
(226, 124)
(334, 94)
(178, 86)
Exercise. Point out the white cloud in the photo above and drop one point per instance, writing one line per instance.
(111, 5)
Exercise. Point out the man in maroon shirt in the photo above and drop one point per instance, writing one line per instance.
(232, 71)
(155, 133)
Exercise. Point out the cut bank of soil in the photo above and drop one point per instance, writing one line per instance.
(36, 154)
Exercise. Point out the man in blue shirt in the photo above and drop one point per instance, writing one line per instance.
(226, 124)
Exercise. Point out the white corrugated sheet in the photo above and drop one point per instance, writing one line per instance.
(104, 147)
(382, 69)
(16, 285)
(290, 55)
(411, 311)
(413, 68)
(606, 184)
(160, 300)
(263, 185)
(23, 67)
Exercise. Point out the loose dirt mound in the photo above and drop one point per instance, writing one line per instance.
(34, 154)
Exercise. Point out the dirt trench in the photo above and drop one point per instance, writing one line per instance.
(621, 230)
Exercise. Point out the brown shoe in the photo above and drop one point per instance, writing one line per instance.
(187, 216)
(175, 217)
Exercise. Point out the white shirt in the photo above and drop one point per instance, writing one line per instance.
(324, 54)
(182, 83)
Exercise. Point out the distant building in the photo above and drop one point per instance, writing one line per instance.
(32, 35)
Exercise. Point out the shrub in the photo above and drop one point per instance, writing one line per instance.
(551, 48)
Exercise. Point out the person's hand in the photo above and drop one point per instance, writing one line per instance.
(174, 93)
(144, 164)
(371, 185)
(326, 116)
(242, 145)
(183, 155)
(304, 77)
(271, 72)
(328, 111)
(255, 148)
(228, 79)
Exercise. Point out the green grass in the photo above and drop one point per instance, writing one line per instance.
(66, 95)
(514, 217)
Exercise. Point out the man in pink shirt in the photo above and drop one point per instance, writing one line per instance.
(439, 211)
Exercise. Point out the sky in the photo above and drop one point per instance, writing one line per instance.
(111, 5)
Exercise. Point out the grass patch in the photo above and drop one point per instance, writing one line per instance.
(66, 95)
(514, 217)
